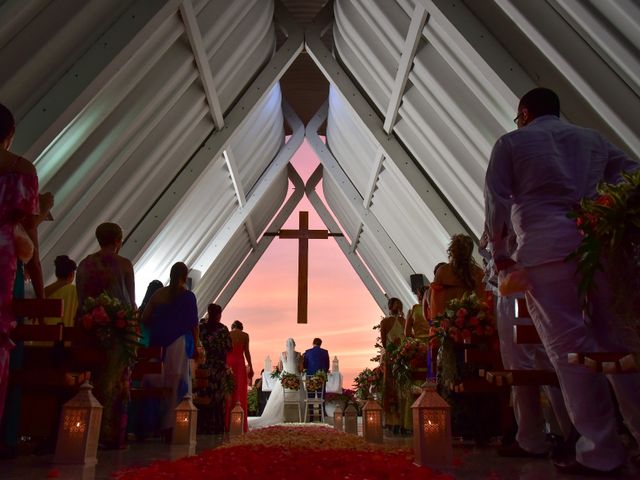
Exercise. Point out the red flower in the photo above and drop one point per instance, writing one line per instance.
(459, 322)
(121, 323)
(100, 315)
(473, 321)
(479, 330)
(605, 200)
(121, 314)
(87, 321)
(461, 312)
(466, 334)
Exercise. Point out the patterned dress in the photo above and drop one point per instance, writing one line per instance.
(18, 198)
(216, 341)
(96, 274)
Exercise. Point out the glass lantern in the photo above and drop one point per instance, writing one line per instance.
(372, 421)
(79, 429)
(236, 424)
(338, 418)
(351, 420)
(184, 430)
(432, 445)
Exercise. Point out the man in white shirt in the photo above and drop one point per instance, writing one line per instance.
(531, 438)
(543, 170)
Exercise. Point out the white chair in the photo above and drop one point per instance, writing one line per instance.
(292, 397)
(315, 400)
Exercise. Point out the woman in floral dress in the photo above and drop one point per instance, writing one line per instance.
(18, 204)
(216, 342)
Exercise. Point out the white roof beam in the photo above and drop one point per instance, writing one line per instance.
(369, 282)
(367, 218)
(418, 19)
(142, 234)
(232, 165)
(371, 187)
(393, 150)
(241, 215)
(276, 224)
(202, 61)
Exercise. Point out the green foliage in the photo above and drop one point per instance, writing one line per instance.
(610, 229)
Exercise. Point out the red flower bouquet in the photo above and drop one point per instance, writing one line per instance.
(464, 318)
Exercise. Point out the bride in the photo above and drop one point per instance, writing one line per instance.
(290, 362)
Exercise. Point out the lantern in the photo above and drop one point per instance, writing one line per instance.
(372, 421)
(236, 426)
(431, 428)
(338, 418)
(184, 430)
(351, 420)
(79, 428)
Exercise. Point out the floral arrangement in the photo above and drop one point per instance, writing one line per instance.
(405, 358)
(367, 379)
(610, 229)
(347, 396)
(290, 381)
(252, 400)
(463, 318)
(275, 373)
(314, 383)
(113, 324)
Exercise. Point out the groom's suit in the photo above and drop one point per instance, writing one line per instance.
(315, 359)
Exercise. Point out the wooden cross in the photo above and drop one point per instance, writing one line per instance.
(303, 234)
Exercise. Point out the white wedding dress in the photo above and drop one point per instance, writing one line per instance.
(274, 409)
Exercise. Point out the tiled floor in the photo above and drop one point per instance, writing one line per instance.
(472, 463)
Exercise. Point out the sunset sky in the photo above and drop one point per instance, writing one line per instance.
(341, 310)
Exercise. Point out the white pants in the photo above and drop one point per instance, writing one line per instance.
(526, 399)
(555, 310)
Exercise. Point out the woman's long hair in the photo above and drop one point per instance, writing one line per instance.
(461, 259)
(179, 273)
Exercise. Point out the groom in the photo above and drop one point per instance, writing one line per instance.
(316, 358)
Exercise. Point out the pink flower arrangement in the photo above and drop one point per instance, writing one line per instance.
(463, 318)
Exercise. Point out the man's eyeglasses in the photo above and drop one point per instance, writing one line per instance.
(515, 120)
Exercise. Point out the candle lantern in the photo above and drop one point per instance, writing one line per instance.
(184, 430)
(372, 421)
(351, 420)
(432, 444)
(79, 429)
(338, 418)
(236, 426)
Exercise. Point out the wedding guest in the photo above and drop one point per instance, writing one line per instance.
(20, 212)
(416, 324)
(391, 333)
(242, 374)
(216, 342)
(543, 169)
(530, 437)
(64, 289)
(153, 287)
(105, 271)
(172, 315)
(461, 275)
